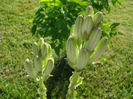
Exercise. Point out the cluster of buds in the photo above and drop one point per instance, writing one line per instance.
(43, 62)
(85, 44)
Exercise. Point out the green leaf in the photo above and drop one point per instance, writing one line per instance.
(74, 94)
(119, 1)
(114, 2)
(31, 20)
(42, 91)
(43, 1)
(33, 29)
(106, 28)
(79, 81)
(114, 25)
(57, 50)
(113, 32)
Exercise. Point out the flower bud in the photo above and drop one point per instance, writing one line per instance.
(100, 24)
(100, 49)
(82, 58)
(45, 53)
(49, 52)
(35, 49)
(38, 65)
(98, 17)
(89, 11)
(29, 68)
(78, 28)
(44, 50)
(87, 27)
(72, 29)
(40, 43)
(94, 39)
(71, 50)
(49, 67)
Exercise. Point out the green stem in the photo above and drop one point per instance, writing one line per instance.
(74, 80)
(41, 97)
(42, 89)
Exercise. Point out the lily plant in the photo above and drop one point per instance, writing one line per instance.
(84, 46)
(42, 65)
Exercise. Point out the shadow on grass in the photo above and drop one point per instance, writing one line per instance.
(57, 85)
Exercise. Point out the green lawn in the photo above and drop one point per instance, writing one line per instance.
(112, 78)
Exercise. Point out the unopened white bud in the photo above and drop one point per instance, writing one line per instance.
(38, 64)
(89, 11)
(94, 39)
(99, 50)
(87, 27)
(29, 68)
(71, 50)
(78, 28)
(49, 67)
(44, 50)
(40, 43)
(98, 17)
(82, 58)
(35, 49)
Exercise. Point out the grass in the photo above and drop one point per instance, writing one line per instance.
(15, 45)
(112, 78)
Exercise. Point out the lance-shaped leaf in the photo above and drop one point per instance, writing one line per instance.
(38, 64)
(71, 50)
(87, 27)
(49, 67)
(94, 39)
(35, 49)
(82, 58)
(98, 17)
(29, 68)
(100, 49)
(78, 28)
(89, 11)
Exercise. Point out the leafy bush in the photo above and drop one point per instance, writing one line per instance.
(109, 30)
(101, 4)
(55, 17)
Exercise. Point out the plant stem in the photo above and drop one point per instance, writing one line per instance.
(42, 89)
(74, 80)
(41, 97)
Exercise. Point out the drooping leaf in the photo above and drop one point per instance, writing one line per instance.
(33, 29)
(31, 20)
(119, 1)
(114, 25)
(79, 81)
(113, 32)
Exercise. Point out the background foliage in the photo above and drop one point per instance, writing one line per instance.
(55, 17)
(101, 4)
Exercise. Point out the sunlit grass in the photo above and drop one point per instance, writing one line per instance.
(15, 44)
